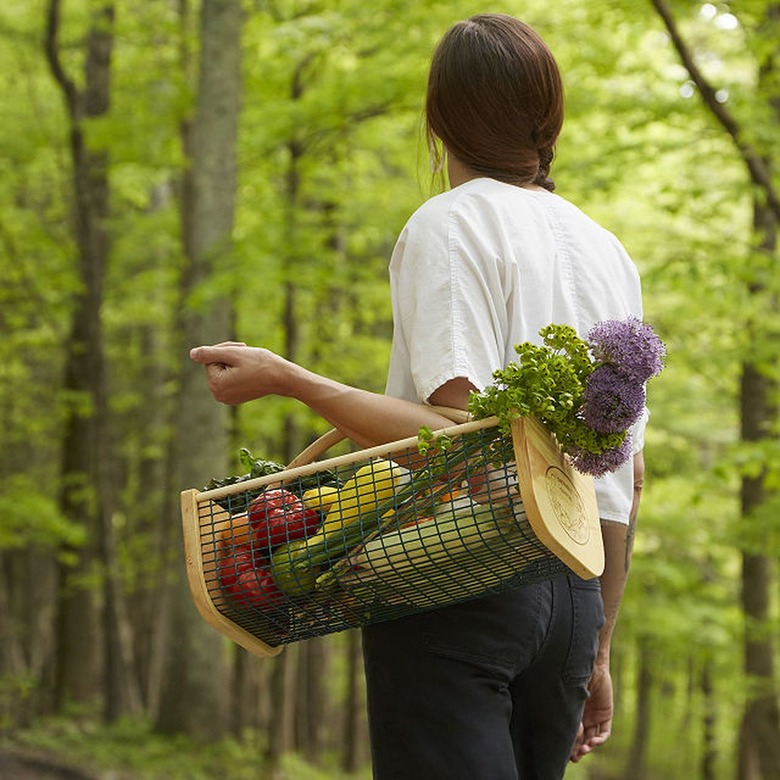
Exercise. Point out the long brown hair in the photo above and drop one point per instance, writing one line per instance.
(495, 99)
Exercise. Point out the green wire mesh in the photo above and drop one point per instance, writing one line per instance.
(370, 541)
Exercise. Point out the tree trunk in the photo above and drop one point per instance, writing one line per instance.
(312, 698)
(148, 504)
(281, 735)
(282, 726)
(84, 488)
(249, 695)
(12, 661)
(636, 766)
(354, 708)
(709, 759)
(195, 691)
(759, 748)
(759, 753)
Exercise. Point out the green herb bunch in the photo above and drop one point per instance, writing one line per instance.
(587, 393)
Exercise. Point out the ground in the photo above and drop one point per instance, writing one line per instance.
(17, 765)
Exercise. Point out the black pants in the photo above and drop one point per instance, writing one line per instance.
(488, 690)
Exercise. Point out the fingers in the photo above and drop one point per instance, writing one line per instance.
(597, 734)
(198, 354)
(218, 353)
(588, 739)
(583, 749)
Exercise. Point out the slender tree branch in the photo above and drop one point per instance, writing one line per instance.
(51, 49)
(757, 167)
(100, 47)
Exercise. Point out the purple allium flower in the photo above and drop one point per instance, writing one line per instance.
(602, 463)
(612, 401)
(630, 345)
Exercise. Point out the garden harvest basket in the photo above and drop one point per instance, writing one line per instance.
(474, 514)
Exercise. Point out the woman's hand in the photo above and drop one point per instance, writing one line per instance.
(596, 726)
(237, 373)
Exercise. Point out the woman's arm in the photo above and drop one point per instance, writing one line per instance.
(237, 373)
(618, 546)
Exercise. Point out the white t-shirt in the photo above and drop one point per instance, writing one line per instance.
(484, 267)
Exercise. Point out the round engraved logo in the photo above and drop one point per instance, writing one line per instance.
(567, 505)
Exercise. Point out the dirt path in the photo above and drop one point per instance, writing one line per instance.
(15, 765)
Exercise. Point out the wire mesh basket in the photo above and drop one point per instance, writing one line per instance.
(385, 532)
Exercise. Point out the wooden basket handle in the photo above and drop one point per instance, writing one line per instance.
(335, 435)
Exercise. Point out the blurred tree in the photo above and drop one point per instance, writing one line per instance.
(194, 688)
(759, 744)
(85, 492)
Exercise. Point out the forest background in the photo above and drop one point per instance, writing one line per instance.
(177, 173)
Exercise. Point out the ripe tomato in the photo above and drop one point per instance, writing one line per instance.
(246, 581)
(279, 517)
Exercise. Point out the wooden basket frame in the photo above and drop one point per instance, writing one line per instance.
(560, 505)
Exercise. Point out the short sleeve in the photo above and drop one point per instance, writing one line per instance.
(448, 302)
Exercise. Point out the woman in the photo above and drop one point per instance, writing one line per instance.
(498, 688)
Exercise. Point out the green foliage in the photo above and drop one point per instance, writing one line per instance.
(30, 518)
(132, 748)
(331, 163)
